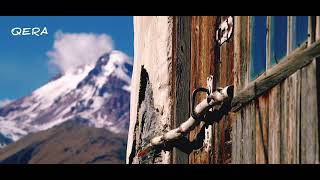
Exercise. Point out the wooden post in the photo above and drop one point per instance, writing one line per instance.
(182, 77)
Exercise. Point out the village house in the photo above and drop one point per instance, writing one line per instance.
(269, 116)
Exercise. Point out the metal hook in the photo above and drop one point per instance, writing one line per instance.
(194, 93)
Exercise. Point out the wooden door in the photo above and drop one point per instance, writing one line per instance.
(208, 58)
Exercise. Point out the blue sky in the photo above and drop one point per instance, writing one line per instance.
(24, 60)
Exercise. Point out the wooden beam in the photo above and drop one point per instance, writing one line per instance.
(290, 64)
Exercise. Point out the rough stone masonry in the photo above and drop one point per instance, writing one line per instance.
(151, 101)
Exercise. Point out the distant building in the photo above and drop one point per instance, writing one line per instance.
(272, 63)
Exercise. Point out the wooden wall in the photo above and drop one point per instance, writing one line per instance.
(206, 61)
(281, 125)
(278, 124)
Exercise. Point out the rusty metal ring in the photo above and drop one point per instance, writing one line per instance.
(194, 93)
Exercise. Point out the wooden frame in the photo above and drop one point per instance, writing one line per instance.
(293, 61)
(290, 64)
(277, 113)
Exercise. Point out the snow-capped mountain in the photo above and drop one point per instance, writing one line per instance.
(98, 95)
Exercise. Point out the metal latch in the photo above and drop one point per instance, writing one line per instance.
(224, 31)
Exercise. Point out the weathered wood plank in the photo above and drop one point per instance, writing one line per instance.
(226, 77)
(249, 134)
(268, 46)
(207, 60)
(182, 81)
(220, 140)
(274, 125)
(275, 75)
(262, 129)
(240, 46)
(309, 115)
(202, 65)
(195, 58)
(260, 159)
(284, 103)
(239, 142)
(297, 95)
(234, 139)
(245, 132)
(247, 49)
(292, 110)
(237, 52)
(215, 142)
(252, 134)
(290, 114)
(194, 67)
(318, 79)
(294, 119)
(230, 119)
(222, 76)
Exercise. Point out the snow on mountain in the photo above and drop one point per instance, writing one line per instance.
(99, 93)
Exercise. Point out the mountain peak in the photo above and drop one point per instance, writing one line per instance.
(98, 93)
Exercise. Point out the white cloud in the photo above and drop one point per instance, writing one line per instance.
(71, 50)
(5, 102)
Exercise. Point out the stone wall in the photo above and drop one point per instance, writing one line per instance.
(151, 91)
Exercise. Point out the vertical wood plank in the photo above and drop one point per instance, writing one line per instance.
(239, 143)
(245, 132)
(248, 134)
(290, 115)
(284, 98)
(309, 115)
(268, 37)
(294, 118)
(202, 65)
(215, 142)
(252, 133)
(247, 50)
(262, 129)
(274, 126)
(292, 109)
(226, 77)
(260, 158)
(296, 158)
(182, 74)
(245, 68)
(237, 83)
(309, 107)
(241, 44)
(234, 140)
(194, 69)
(237, 53)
